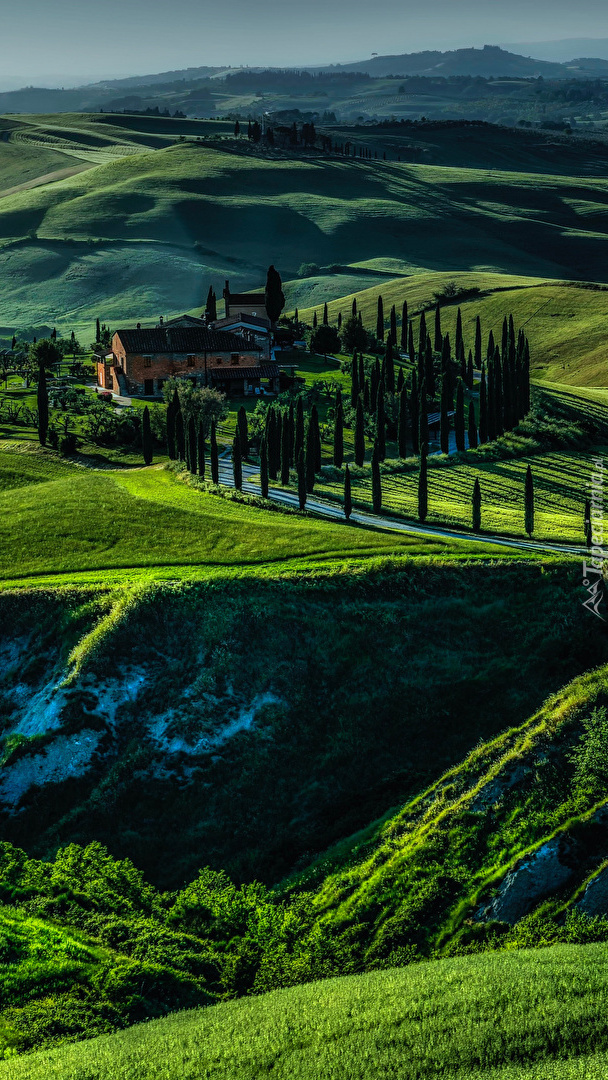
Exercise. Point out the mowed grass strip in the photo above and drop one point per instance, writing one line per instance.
(59, 518)
(562, 483)
(495, 1016)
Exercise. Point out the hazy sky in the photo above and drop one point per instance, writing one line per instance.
(71, 41)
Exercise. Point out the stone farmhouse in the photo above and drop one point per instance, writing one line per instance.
(255, 329)
(142, 360)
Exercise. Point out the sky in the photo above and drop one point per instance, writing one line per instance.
(70, 42)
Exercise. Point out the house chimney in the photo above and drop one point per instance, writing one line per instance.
(161, 320)
(139, 326)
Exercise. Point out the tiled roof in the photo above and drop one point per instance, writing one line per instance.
(264, 371)
(183, 339)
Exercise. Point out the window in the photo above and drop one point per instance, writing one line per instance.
(190, 361)
(147, 361)
(234, 359)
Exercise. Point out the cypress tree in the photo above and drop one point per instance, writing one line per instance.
(201, 450)
(264, 468)
(423, 485)
(394, 324)
(339, 320)
(376, 481)
(402, 423)
(505, 339)
(438, 335)
(97, 331)
(348, 502)
(237, 464)
(354, 307)
(459, 343)
(325, 315)
(587, 524)
(478, 345)
(410, 344)
(446, 363)
(469, 379)
(400, 380)
(243, 431)
(444, 423)
(192, 446)
(429, 372)
(299, 434)
(179, 435)
(271, 440)
(301, 478)
(146, 436)
(292, 433)
(380, 319)
(354, 381)
(310, 457)
(459, 417)
(529, 502)
(476, 506)
(423, 419)
(339, 433)
(415, 413)
(381, 422)
(526, 379)
(42, 401)
(367, 405)
(314, 423)
(170, 419)
(472, 427)
(404, 327)
(498, 394)
(422, 342)
(491, 394)
(315, 321)
(359, 435)
(285, 450)
(483, 408)
(491, 346)
(389, 367)
(215, 463)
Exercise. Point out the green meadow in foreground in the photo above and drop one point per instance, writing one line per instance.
(524, 1016)
(60, 518)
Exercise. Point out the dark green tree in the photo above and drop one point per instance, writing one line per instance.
(172, 408)
(192, 446)
(302, 488)
(325, 315)
(423, 419)
(472, 427)
(215, 463)
(201, 450)
(237, 463)
(404, 327)
(459, 416)
(264, 469)
(476, 506)
(348, 502)
(529, 502)
(459, 342)
(380, 319)
(381, 422)
(393, 325)
(243, 431)
(42, 401)
(285, 450)
(211, 305)
(445, 409)
(338, 432)
(274, 295)
(415, 413)
(359, 435)
(438, 343)
(483, 407)
(402, 423)
(376, 481)
(478, 345)
(299, 436)
(423, 485)
(180, 440)
(97, 331)
(146, 437)
(325, 340)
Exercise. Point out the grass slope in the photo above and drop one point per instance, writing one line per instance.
(495, 1017)
(245, 210)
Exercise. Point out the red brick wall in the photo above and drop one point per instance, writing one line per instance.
(163, 366)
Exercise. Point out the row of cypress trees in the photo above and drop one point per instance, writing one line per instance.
(186, 441)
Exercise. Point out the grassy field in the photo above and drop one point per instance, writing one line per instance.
(85, 246)
(539, 1014)
(60, 518)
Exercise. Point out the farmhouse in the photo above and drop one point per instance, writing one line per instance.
(143, 359)
(244, 303)
(253, 328)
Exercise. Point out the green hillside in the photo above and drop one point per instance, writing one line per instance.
(211, 207)
(526, 1017)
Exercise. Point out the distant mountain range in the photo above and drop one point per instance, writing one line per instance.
(561, 52)
(191, 89)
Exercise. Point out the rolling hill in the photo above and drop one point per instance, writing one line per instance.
(153, 220)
